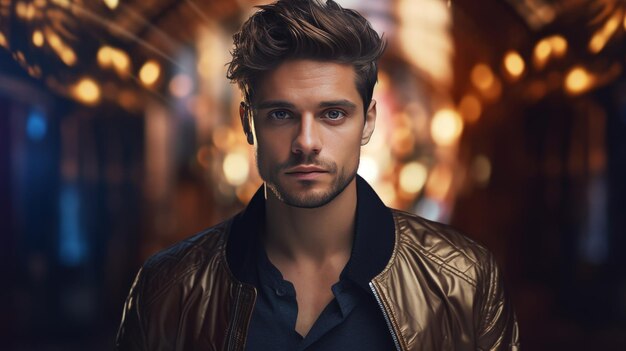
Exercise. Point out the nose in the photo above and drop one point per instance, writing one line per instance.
(308, 140)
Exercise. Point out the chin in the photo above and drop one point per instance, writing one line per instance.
(309, 194)
(307, 200)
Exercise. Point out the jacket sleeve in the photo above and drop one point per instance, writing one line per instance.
(131, 334)
(497, 324)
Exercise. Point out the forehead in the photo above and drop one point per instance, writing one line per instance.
(308, 80)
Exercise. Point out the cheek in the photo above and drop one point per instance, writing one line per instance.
(269, 148)
(347, 149)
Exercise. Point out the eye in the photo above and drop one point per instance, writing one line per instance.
(334, 114)
(279, 115)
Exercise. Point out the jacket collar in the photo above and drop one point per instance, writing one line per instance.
(371, 250)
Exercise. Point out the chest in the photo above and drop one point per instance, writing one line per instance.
(351, 312)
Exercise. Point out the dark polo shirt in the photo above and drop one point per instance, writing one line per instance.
(352, 320)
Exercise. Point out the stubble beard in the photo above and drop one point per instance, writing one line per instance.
(304, 198)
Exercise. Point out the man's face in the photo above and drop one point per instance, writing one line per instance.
(308, 128)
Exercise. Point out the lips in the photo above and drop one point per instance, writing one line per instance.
(305, 169)
(305, 172)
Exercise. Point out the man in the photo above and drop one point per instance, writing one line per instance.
(316, 261)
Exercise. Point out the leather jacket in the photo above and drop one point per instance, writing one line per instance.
(437, 289)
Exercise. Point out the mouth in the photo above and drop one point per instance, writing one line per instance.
(305, 172)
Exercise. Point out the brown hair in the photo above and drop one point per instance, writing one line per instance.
(292, 29)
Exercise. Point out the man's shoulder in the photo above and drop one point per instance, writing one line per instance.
(182, 259)
(442, 245)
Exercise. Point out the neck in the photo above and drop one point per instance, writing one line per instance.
(316, 234)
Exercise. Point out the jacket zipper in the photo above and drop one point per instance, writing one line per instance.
(389, 325)
(231, 345)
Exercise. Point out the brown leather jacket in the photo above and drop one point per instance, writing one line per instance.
(437, 289)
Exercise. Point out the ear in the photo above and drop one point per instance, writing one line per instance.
(370, 123)
(245, 115)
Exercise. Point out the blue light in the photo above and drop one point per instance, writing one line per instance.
(594, 240)
(72, 248)
(36, 125)
(429, 209)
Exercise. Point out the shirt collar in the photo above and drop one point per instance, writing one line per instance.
(371, 250)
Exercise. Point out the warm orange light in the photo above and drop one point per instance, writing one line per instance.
(112, 4)
(149, 72)
(558, 44)
(121, 61)
(65, 53)
(542, 52)
(68, 56)
(369, 169)
(20, 9)
(87, 91)
(470, 108)
(552, 46)
(601, 37)
(112, 57)
(537, 89)
(38, 38)
(223, 137)
(578, 80)
(387, 193)
(482, 76)
(402, 141)
(128, 99)
(62, 3)
(412, 177)
(424, 37)
(446, 127)
(514, 64)
(203, 156)
(25, 10)
(439, 182)
(236, 168)
(3, 41)
(54, 40)
(104, 56)
(34, 71)
(481, 169)
(597, 42)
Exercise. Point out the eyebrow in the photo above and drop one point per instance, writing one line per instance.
(274, 104)
(339, 103)
(285, 104)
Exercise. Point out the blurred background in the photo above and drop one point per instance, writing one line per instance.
(119, 136)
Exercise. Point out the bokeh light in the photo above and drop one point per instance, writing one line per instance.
(542, 52)
(413, 177)
(369, 169)
(236, 168)
(558, 44)
(112, 57)
(87, 91)
(482, 76)
(578, 80)
(481, 169)
(149, 73)
(112, 4)
(601, 37)
(38, 39)
(514, 64)
(470, 108)
(181, 85)
(446, 127)
(439, 182)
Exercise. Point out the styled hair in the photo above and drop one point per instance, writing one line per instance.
(305, 29)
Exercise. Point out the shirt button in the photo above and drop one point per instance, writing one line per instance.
(281, 292)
